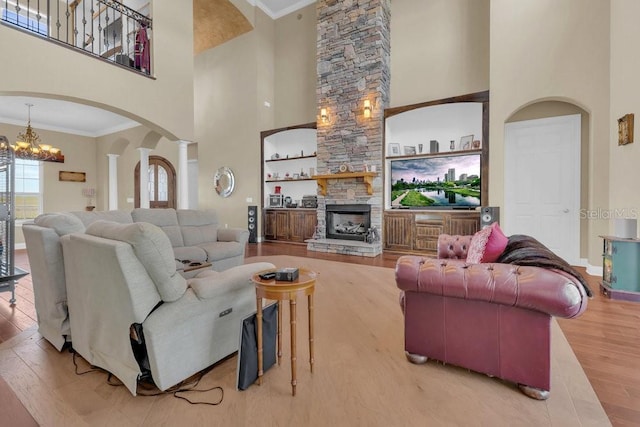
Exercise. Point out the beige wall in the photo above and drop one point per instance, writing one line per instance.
(295, 68)
(230, 115)
(164, 104)
(542, 50)
(625, 88)
(80, 156)
(439, 49)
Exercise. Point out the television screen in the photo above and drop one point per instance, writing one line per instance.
(447, 181)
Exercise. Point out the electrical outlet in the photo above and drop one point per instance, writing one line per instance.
(249, 199)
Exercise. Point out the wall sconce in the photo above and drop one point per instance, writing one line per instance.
(324, 116)
(367, 108)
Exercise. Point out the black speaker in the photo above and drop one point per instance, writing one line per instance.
(252, 224)
(489, 215)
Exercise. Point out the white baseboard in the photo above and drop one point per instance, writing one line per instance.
(594, 270)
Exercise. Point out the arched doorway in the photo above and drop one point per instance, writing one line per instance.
(162, 183)
(546, 168)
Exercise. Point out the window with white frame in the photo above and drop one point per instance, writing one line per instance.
(28, 192)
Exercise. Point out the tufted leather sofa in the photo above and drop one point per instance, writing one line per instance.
(491, 318)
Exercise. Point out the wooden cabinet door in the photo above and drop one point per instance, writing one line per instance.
(269, 225)
(282, 225)
(466, 225)
(296, 226)
(398, 231)
(310, 223)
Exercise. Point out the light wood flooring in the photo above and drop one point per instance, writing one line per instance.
(605, 339)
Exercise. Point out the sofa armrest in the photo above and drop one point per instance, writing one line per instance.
(212, 284)
(239, 235)
(549, 291)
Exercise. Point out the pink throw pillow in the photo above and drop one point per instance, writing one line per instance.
(487, 245)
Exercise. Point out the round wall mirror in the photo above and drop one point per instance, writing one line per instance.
(224, 181)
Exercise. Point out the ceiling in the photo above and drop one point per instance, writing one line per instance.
(278, 8)
(61, 116)
(78, 119)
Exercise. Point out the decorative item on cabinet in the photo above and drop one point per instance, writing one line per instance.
(276, 200)
(434, 146)
(465, 142)
(409, 150)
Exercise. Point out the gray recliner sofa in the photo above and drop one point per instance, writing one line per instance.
(194, 236)
(121, 275)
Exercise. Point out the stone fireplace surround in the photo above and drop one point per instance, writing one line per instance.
(353, 57)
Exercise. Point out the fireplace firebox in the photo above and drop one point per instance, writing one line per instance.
(349, 222)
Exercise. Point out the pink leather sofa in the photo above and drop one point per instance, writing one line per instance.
(491, 318)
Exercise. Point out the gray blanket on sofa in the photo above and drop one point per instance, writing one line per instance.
(525, 250)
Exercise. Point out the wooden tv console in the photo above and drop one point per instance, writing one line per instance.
(417, 231)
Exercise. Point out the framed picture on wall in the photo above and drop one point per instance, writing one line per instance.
(394, 149)
(625, 129)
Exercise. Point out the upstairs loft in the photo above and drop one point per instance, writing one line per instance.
(104, 29)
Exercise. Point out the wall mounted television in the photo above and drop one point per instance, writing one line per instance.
(436, 182)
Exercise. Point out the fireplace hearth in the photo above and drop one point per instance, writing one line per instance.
(348, 222)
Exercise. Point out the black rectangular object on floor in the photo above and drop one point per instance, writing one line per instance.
(248, 349)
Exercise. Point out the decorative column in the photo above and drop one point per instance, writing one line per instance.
(353, 59)
(183, 175)
(113, 181)
(144, 177)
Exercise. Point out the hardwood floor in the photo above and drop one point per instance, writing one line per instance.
(605, 339)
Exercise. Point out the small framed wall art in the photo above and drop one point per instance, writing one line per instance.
(72, 176)
(394, 149)
(625, 129)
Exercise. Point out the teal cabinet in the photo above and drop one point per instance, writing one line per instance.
(621, 268)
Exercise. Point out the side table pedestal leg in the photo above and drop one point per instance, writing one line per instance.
(259, 333)
(292, 314)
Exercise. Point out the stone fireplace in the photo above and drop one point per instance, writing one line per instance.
(353, 57)
(349, 222)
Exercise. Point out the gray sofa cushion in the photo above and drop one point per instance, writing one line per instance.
(222, 250)
(198, 226)
(61, 223)
(166, 219)
(89, 217)
(191, 253)
(153, 249)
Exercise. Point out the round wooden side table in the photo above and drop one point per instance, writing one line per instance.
(280, 291)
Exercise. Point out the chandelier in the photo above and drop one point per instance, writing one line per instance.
(28, 146)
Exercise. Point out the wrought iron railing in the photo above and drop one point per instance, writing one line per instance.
(106, 29)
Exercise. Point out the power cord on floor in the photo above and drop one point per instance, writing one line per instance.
(145, 389)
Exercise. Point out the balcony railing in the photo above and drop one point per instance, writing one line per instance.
(105, 29)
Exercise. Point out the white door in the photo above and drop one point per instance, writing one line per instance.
(542, 183)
